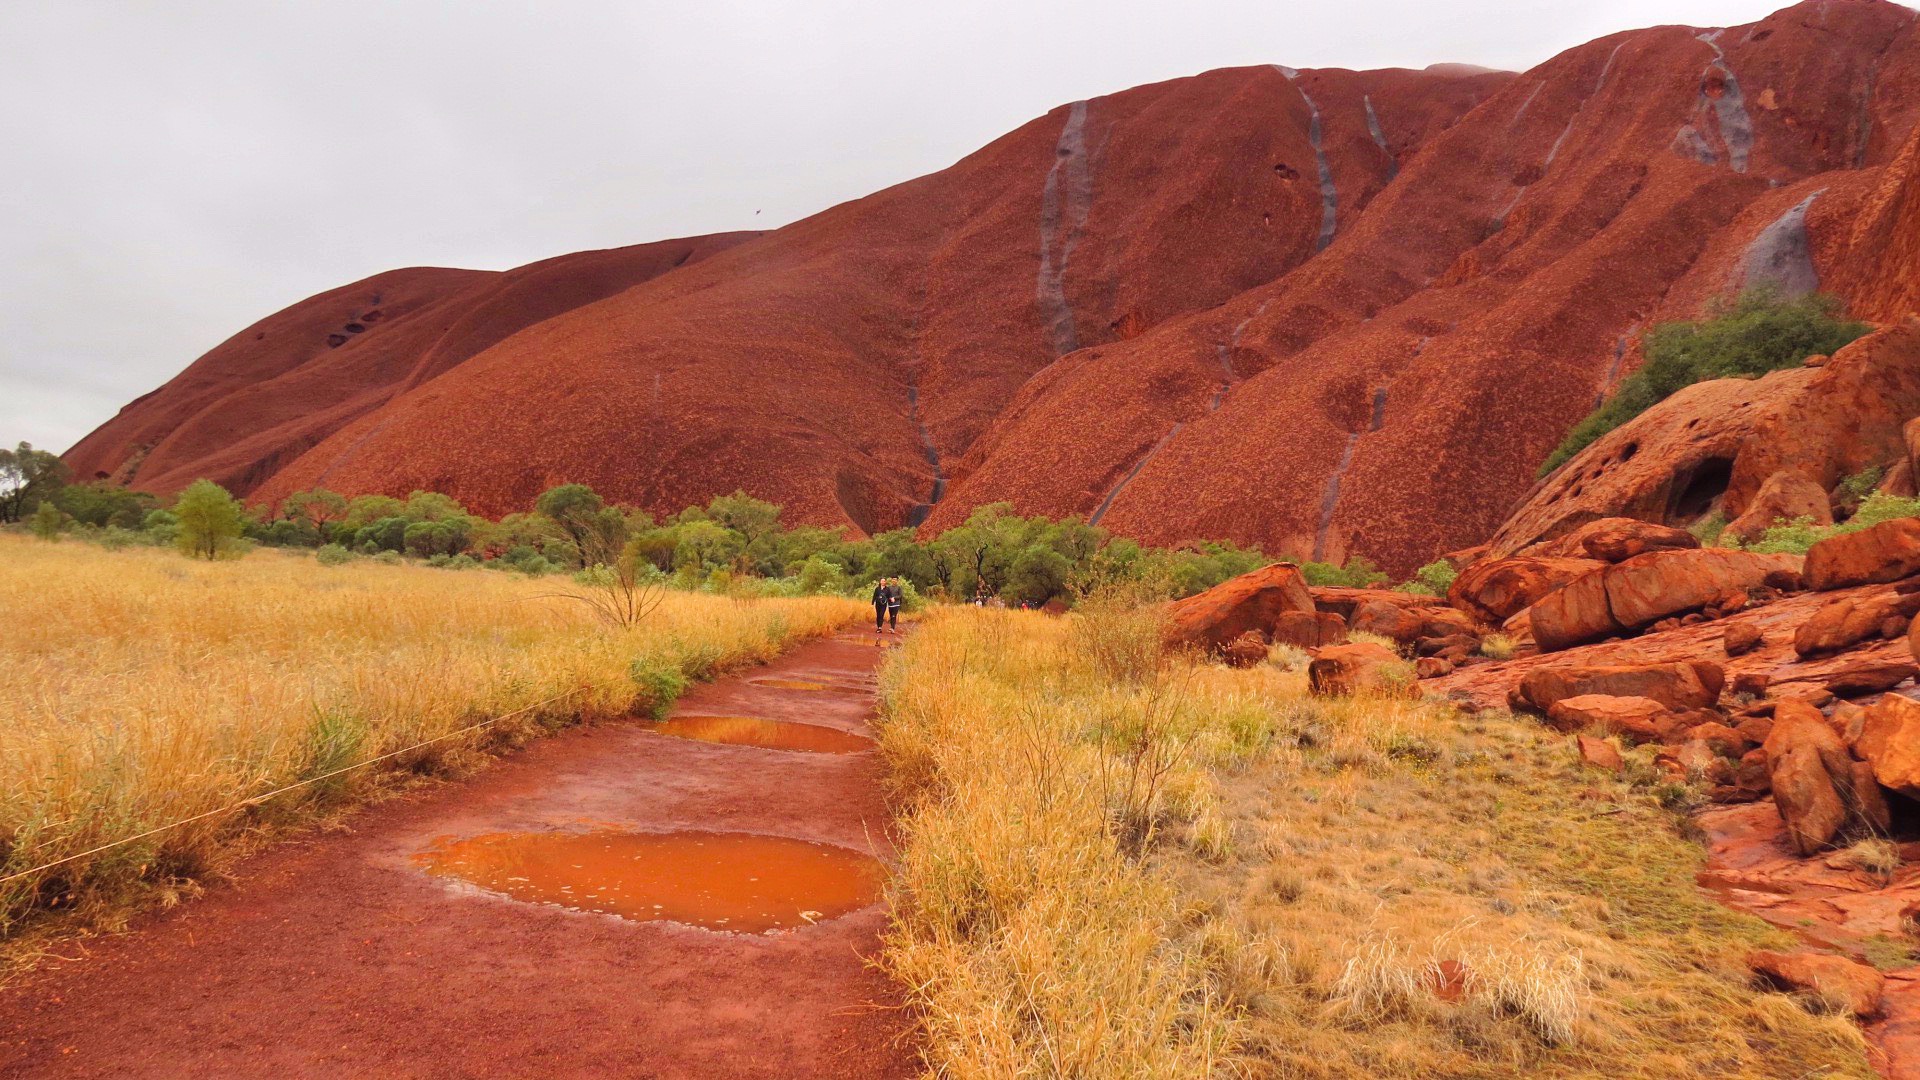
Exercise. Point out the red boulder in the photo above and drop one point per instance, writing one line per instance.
(1251, 602)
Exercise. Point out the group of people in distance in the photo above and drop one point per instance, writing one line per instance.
(887, 598)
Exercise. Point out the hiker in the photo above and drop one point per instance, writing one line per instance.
(880, 605)
(895, 597)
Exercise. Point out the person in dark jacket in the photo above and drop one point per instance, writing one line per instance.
(895, 597)
(880, 605)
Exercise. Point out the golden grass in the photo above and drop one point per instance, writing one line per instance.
(140, 688)
(1311, 875)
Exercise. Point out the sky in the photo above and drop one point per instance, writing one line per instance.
(174, 170)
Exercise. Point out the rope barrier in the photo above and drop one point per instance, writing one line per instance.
(258, 799)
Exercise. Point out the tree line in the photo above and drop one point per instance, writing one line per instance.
(733, 541)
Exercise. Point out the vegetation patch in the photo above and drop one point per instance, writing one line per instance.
(1119, 864)
(1796, 537)
(1744, 338)
(144, 689)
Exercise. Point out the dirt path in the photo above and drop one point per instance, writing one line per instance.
(338, 956)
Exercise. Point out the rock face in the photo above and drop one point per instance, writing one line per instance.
(1890, 742)
(1853, 619)
(1787, 495)
(1616, 539)
(1639, 719)
(1599, 754)
(1882, 271)
(1841, 982)
(1675, 686)
(1645, 589)
(1498, 589)
(1279, 307)
(1407, 624)
(1712, 446)
(1888, 551)
(1251, 603)
(1359, 668)
(1812, 775)
(1309, 629)
(258, 401)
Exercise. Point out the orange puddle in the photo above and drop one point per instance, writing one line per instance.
(770, 734)
(721, 881)
(798, 684)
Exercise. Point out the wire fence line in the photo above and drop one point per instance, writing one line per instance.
(256, 800)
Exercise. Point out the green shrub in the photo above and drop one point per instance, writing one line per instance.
(334, 742)
(661, 683)
(1857, 487)
(161, 527)
(47, 522)
(820, 574)
(103, 504)
(1433, 579)
(382, 534)
(1795, 537)
(1754, 334)
(1358, 573)
(1709, 529)
(333, 555)
(388, 558)
(210, 521)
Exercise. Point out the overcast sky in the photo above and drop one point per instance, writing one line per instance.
(173, 170)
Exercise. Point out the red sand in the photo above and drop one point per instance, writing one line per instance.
(337, 955)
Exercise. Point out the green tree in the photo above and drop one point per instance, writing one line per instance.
(1745, 338)
(433, 506)
(705, 545)
(382, 534)
(571, 508)
(429, 538)
(27, 478)
(102, 504)
(318, 508)
(367, 509)
(210, 520)
(756, 520)
(47, 521)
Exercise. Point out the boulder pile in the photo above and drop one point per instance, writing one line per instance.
(1752, 674)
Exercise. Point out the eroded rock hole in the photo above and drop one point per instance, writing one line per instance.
(1287, 172)
(356, 328)
(720, 881)
(1697, 492)
(334, 341)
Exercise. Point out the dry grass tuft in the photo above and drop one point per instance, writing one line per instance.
(143, 689)
(1330, 889)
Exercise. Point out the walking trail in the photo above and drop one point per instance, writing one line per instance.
(373, 953)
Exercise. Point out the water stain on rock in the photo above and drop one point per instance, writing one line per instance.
(764, 733)
(739, 882)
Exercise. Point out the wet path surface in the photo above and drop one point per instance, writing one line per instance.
(352, 954)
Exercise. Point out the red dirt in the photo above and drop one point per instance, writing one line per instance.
(337, 956)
